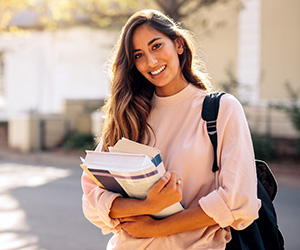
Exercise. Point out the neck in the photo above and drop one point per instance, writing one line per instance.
(172, 88)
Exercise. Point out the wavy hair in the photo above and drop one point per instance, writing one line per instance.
(129, 103)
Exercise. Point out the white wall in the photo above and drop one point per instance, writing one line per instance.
(249, 51)
(44, 68)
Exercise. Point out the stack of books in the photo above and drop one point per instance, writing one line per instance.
(130, 169)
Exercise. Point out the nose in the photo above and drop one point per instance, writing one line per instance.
(152, 60)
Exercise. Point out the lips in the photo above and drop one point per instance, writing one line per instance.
(156, 72)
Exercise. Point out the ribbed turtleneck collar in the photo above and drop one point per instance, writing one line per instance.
(180, 97)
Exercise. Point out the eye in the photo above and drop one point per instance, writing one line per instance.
(157, 46)
(138, 56)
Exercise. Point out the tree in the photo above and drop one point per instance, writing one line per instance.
(53, 13)
(293, 110)
(180, 9)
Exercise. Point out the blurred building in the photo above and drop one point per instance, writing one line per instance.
(42, 69)
(260, 44)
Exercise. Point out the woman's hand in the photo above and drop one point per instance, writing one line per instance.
(139, 226)
(163, 194)
(166, 192)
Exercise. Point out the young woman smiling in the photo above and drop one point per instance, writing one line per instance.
(156, 98)
(156, 58)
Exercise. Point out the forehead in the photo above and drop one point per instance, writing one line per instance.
(143, 34)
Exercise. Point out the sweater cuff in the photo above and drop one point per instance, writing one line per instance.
(103, 208)
(97, 210)
(215, 207)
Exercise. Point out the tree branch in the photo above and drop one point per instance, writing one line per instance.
(161, 4)
(174, 7)
(201, 4)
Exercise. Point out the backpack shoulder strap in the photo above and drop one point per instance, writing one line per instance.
(210, 111)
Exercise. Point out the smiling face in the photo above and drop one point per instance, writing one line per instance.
(156, 58)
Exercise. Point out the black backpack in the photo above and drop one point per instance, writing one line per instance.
(263, 233)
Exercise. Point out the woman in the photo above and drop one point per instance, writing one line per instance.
(156, 98)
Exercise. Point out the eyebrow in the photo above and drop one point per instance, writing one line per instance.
(149, 43)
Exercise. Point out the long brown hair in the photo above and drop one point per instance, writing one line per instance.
(129, 103)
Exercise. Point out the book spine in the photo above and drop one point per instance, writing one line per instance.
(108, 181)
(92, 176)
(158, 163)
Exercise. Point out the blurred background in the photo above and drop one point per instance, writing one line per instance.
(54, 78)
(53, 74)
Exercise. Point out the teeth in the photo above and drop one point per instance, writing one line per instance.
(158, 71)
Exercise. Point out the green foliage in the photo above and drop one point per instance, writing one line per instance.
(297, 148)
(52, 14)
(179, 10)
(264, 148)
(3, 123)
(79, 141)
(293, 111)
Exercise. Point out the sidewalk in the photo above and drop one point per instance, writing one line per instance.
(286, 172)
(60, 158)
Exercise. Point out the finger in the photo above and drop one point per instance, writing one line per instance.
(162, 182)
(126, 219)
(173, 180)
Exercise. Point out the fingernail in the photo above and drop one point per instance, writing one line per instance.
(166, 176)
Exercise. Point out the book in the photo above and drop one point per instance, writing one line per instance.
(129, 168)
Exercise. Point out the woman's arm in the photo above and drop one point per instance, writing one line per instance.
(234, 203)
(146, 227)
(164, 193)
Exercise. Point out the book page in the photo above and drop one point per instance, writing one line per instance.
(121, 162)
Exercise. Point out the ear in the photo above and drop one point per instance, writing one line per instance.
(179, 46)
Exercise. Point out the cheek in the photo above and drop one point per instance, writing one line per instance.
(175, 56)
(171, 56)
(176, 62)
(140, 67)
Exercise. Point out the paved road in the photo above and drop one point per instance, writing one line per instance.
(40, 208)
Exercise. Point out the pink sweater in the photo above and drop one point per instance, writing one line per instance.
(229, 196)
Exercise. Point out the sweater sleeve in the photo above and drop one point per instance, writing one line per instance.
(96, 204)
(234, 203)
